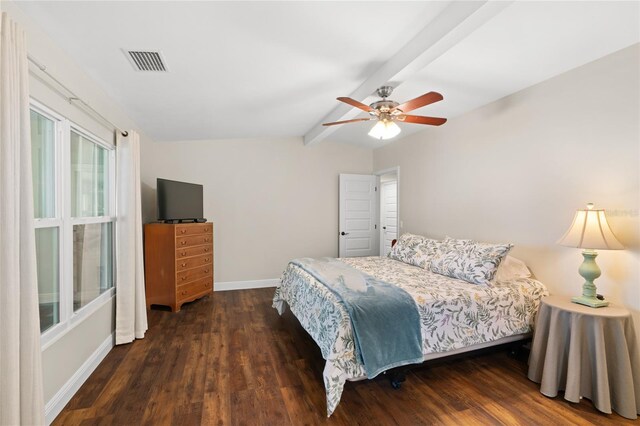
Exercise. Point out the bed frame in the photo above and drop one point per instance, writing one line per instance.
(399, 375)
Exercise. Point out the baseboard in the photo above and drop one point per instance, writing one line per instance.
(64, 395)
(245, 285)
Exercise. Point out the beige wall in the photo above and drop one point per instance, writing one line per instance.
(516, 170)
(271, 199)
(62, 359)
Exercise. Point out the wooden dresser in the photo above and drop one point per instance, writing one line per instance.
(178, 263)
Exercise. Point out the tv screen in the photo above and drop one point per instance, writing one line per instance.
(179, 201)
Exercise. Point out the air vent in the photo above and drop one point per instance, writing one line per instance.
(145, 60)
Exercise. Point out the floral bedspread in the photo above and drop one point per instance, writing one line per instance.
(453, 313)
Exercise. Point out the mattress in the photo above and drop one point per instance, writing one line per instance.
(454, 314)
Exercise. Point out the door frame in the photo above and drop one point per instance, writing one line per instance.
(379, 173)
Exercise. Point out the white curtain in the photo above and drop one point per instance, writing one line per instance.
(131, 310)
(21, 397)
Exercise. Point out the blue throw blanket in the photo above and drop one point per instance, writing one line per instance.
(384, 317)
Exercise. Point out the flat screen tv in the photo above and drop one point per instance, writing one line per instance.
(179, 201)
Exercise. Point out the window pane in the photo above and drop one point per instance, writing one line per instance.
(47, 255)
(89, 178)
(43, 165)
(92, 262)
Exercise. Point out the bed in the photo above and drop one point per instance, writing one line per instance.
(454, 315)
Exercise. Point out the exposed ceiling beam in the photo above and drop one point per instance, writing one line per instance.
(455, 23)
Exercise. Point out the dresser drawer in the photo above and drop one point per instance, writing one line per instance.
(193, 262)
(194, 274)
(194, 229)
(194, 251)
(193, 240)
(193, 289)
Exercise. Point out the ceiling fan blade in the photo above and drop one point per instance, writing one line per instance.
(355, 120)
(419, 102)
(418, 119)
(355, 103)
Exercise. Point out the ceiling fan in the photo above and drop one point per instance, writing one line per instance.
(388, 112)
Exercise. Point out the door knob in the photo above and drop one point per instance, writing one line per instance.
(384, 227)
(344, 233)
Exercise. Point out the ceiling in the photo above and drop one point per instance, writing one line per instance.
(271, 69)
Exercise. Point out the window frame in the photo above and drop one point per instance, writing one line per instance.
(56, 221)
(88, 220)
(62, 220)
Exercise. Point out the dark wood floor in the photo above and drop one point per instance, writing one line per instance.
(230, 359)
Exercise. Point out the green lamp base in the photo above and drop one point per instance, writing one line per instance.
(589, 271)
(593, 302)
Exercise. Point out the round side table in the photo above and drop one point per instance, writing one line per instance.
(587, 352)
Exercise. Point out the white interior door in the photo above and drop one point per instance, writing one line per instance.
(388, 215)
(358, 231)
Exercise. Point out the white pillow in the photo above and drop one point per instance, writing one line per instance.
(511, 269)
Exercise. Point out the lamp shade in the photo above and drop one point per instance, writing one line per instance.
(590, 230)
(384, 129)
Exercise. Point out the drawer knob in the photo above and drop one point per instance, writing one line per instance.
(183, 264)
(206, 229)
(206, 270)
(184, 253)
(184, 293)
(183, 242)
(183, 231)
(206, 249)
(206, 259)
(184, 278)
(206, 240)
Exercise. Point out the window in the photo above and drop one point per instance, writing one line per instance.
(89, 177)
(73, 191)
(92, 230)
(44, 131)
(43, 148)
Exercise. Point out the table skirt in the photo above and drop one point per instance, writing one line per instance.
(589, 356)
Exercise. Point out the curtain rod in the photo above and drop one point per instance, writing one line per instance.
(74, 97)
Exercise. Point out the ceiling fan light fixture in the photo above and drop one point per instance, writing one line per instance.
(385, 129)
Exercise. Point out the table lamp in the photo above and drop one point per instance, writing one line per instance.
(590, 231)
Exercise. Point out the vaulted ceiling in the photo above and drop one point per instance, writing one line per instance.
(268, 69)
